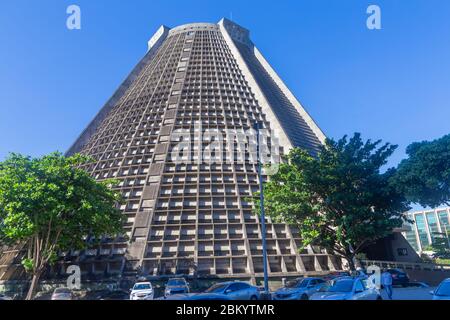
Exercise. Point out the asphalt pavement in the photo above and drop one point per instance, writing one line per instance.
(410, 294)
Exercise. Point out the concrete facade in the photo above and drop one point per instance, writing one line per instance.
(195, 218)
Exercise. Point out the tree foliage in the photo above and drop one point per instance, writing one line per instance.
(340, 200)
(441, 245)
(424, 177)
(52, 205)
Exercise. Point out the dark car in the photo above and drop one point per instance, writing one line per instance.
(299, 289)
(198, 297)
(236, 290)
(335, 275)
(4, 298)
(176, 286)
(399, 277)
(62, 294)
(113, 295)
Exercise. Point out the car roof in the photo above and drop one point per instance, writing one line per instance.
(142, 283)
(354, 278)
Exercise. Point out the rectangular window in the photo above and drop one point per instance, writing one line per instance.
(422, 230)
(444, 220)
(410, 236)
(432, 224)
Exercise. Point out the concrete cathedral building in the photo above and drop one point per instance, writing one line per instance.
(194, 218)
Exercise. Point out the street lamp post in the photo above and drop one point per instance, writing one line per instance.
(263, 216)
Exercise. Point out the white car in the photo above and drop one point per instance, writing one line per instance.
(347, 288)
(142, 291)
(443, 291)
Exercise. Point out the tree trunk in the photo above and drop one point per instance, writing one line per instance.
(33, 285)
(351, 263)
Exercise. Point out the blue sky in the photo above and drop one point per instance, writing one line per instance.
(391, 84)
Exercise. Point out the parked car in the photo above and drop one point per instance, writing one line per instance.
(4, 298)
(347, 288)
(176, 286)
(335, 275)
(236, 290)
(299, 289)
(399, 277)
(142, 291)
(113, 295)
(360, 272)
(197, 296)
(62, 294)
(443, 291)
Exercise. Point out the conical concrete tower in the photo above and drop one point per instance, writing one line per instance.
(170, 134)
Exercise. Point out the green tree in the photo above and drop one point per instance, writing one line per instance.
(340, 200)
(440, 245)
(424, 177)
(52, 205)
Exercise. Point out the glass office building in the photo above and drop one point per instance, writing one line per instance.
(426, 225)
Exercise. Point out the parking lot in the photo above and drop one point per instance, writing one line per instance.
(337, 286)
(412, 293)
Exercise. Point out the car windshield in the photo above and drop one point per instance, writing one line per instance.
(216, 288)
(176, 282)
(300, 283)
(345, 285)
(141, 286)
(444, 289)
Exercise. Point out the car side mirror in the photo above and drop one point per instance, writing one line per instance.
(432, 293)
(228, 291)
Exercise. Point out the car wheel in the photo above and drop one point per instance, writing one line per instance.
(304, 297)
(379, 298)
(253, 298)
